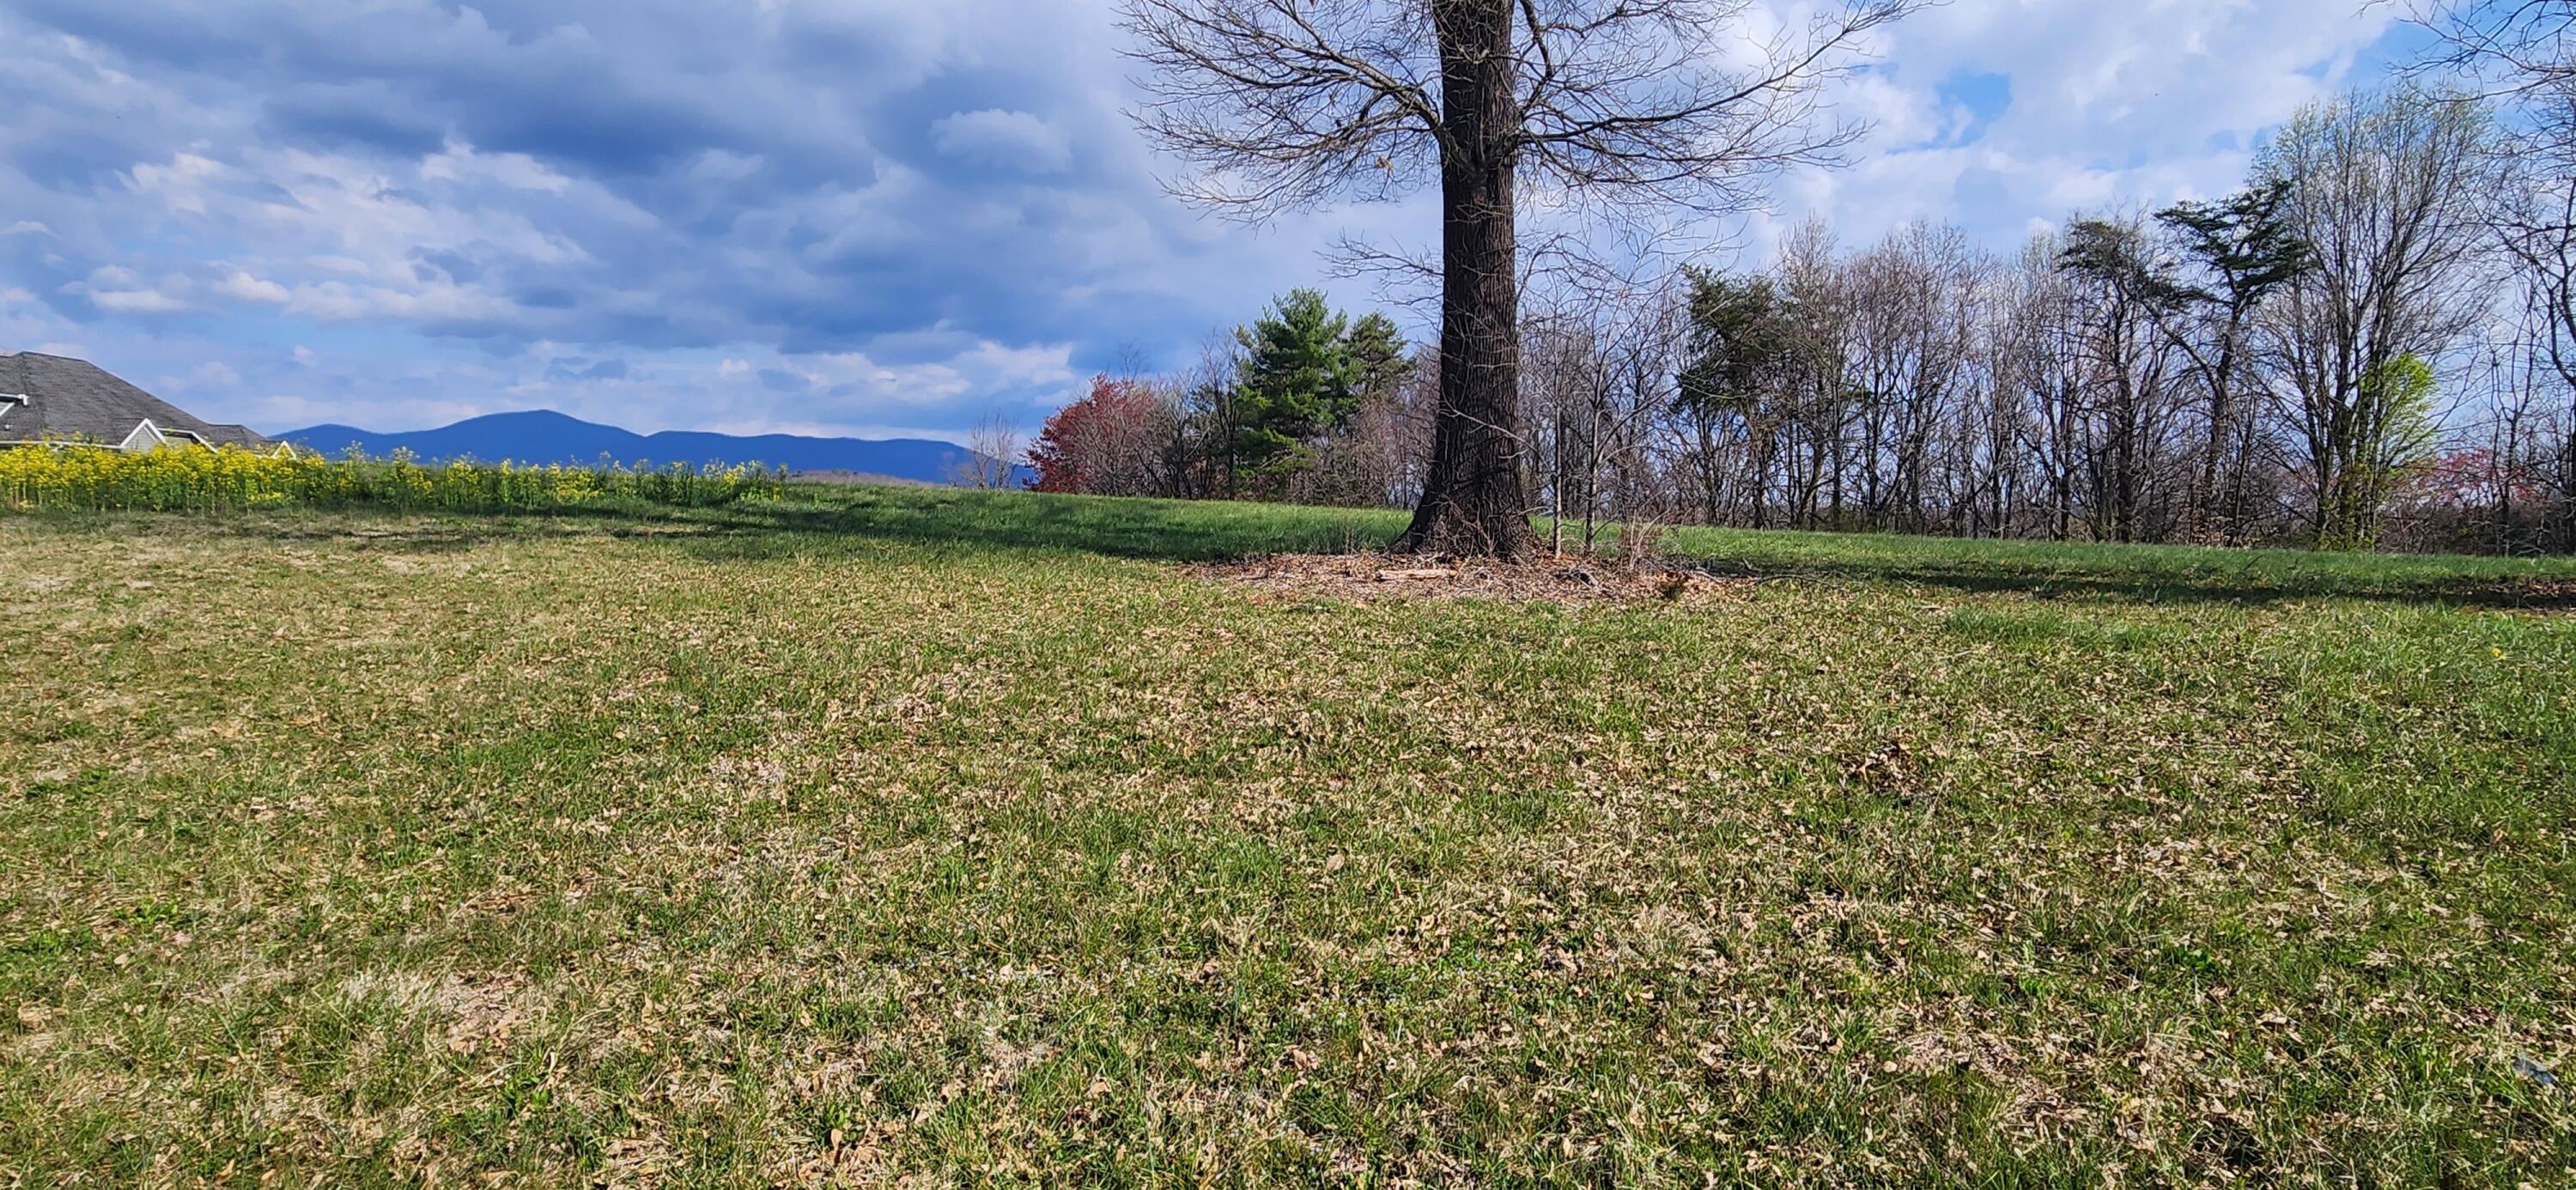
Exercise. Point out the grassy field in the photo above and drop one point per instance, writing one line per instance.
(890, 835)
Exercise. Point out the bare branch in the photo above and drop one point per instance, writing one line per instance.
(1622, 104)
(1678, 102)
(1280, 103)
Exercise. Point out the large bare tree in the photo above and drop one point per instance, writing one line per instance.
(1610, 106)
(2387, 190)
(2521, 54)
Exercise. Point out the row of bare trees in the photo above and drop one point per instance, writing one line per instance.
(2367, 344)
(2253, 368)
(2363, 346)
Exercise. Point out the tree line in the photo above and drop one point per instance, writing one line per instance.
(2366, 345)
(1306, 404)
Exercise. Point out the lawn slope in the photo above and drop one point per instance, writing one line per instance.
(887, 833)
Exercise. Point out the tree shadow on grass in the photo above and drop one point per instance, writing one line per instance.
(808, 522)
(1157, 530)
(811, 522)
(2115, 580)
(389, 530)
(1212, 531)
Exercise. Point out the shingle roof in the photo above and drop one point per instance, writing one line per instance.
(71, 398)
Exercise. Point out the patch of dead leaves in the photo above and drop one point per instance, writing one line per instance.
(1534, 580)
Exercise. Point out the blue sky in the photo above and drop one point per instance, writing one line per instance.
(861, 216)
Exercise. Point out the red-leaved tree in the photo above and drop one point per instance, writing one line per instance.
(1109, 443)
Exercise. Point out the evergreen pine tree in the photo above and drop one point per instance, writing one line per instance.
(1297, 382)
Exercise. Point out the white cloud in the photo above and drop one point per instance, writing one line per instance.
(518, 171)
(982, 368)
(339, 301)
(240, 285)
(183, 185)
(210, 375)
(121, 290)
(2110, 104)
(136, 301)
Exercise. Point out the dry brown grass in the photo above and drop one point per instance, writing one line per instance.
(913, 844)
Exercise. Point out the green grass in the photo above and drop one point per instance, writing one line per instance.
(881, 834)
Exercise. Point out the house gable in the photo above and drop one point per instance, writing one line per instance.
(74, 400)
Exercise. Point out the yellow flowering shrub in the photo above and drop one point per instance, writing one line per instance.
(72, 476)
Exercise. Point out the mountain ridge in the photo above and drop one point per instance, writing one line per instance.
(549, 436)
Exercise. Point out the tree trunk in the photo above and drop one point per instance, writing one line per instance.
(2205, 502)
(2567, 486)
(1473, 501)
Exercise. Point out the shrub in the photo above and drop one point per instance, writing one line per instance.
(72, 477)
(1109, 443)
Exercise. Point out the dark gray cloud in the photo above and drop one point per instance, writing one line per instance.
(829, 214)
(791, 178)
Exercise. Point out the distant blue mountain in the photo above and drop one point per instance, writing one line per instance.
(544, 436)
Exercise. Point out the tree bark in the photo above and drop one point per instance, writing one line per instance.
(1474, 501)
(2206, 502)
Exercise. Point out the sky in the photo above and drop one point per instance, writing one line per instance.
(867, 217)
